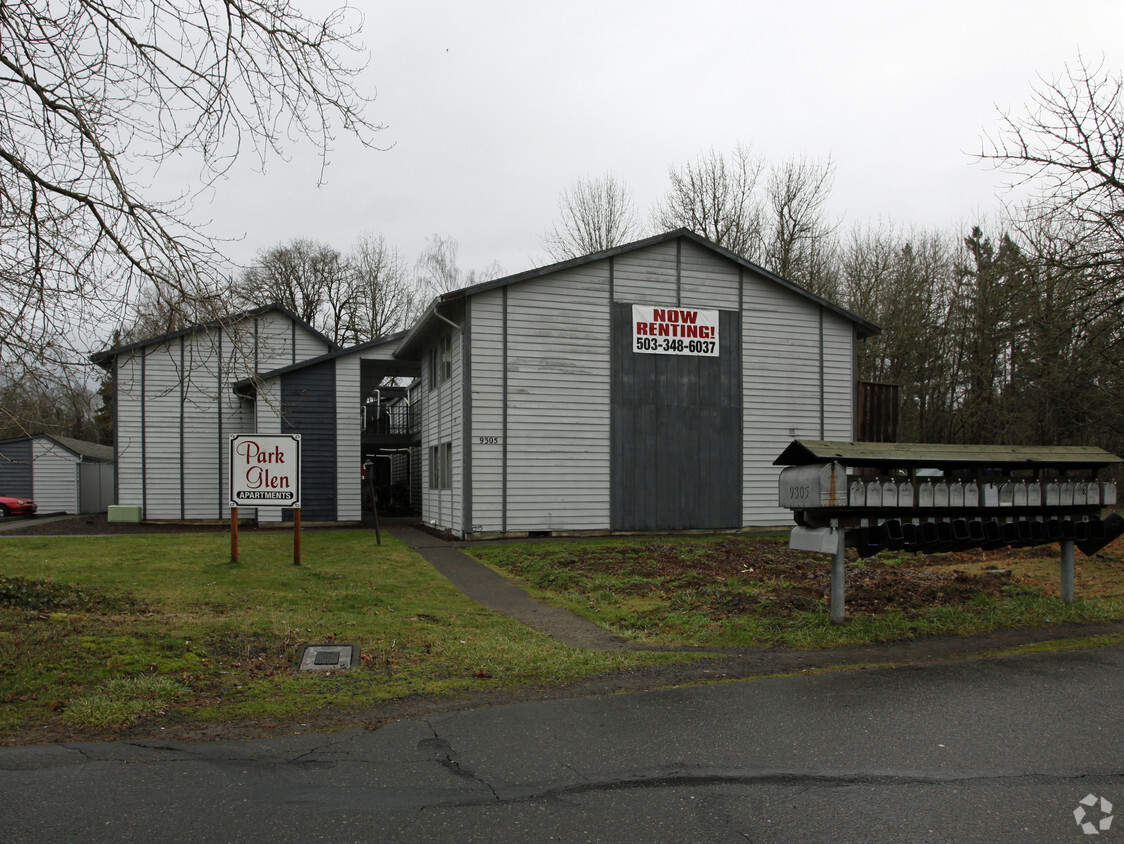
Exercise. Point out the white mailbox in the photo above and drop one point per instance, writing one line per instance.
(813, 486)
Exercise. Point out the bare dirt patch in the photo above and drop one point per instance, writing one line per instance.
(760, 574)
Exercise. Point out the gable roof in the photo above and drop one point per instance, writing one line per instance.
(248, 386)
(91, 452)
(424, 323)
(105, 358)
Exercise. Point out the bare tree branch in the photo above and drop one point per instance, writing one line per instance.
(95, 94)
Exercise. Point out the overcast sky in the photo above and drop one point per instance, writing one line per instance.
(492, 108)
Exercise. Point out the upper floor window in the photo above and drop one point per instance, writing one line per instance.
(441, 360)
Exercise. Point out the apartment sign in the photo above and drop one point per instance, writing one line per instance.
(265, 470)
(674, 331)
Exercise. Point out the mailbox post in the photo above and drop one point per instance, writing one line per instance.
(931, 498)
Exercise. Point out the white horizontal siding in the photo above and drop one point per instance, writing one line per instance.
(187, 386)
(708, 280)
(163, 453)
(558, 445)
(273, 341)
(646, 276)
(128, 431)
(839, 377)
(442, 415)
(54, 475)
(782, 379)
(486, 385)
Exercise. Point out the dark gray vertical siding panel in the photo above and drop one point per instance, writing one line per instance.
(16, 476)
(308, 408)
(676, 433)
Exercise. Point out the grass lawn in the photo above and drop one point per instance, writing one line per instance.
(747, 591)
(97, 632)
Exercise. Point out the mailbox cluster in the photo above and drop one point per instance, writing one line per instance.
(944, 513)
(934, 498)
(928, 498)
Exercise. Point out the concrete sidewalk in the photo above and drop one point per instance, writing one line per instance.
(484, 586)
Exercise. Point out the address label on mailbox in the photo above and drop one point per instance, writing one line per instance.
(813, 486)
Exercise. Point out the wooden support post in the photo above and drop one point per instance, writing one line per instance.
(297, 536)
(234, 534)
(1067, 571)
(837, 587)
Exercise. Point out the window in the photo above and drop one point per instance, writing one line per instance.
(441, 361)
(441, 466)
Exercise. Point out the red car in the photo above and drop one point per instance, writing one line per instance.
(16, 507)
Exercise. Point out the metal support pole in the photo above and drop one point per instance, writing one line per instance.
(837, 590)
(1067, 570)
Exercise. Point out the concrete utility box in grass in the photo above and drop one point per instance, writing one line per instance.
(124, 513)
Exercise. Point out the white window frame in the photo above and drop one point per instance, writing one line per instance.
(441, 466)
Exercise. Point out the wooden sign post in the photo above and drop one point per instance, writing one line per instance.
(297, 537)
(234, 534)
(265, 471)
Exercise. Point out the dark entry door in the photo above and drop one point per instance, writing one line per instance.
(676, 433)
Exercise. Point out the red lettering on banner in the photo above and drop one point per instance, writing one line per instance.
(692, 331)
(664, 328)
(672, 316)
(641, 328)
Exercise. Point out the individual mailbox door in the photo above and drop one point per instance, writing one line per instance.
(813, 486)
(858, 493)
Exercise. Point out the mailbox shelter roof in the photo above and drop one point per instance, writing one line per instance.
(944, 455)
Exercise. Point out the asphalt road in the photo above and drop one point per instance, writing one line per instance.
(982, 750)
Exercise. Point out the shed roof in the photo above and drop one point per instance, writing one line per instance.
(427, 320)
(944, 455)
(88, 451)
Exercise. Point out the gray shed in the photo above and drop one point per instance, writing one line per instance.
(61, 474)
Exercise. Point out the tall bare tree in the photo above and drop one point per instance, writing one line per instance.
(1068, 147)
(383, 297)
(593, 214)
(798, 232)
(717, 196)
(307, 277)
(96, 94)
(438, 269)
